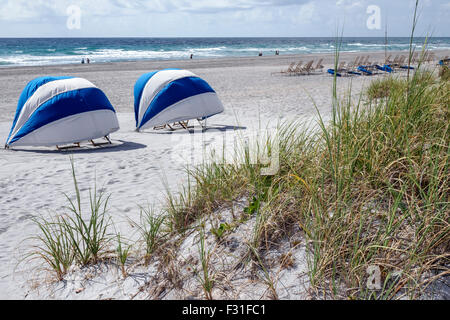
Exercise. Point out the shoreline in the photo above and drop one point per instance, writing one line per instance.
(215, 62)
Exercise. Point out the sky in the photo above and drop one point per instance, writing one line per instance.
(221, 18)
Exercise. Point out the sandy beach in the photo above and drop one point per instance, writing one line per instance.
(137, 169)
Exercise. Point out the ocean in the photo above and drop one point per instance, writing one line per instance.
(49, 51)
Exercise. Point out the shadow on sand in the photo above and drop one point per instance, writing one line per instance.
(210, 129)
(117, 146)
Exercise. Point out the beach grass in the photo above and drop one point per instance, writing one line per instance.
(152, 231)
(369, 189)
(74, 237)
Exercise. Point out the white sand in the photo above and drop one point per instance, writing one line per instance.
(32, 181)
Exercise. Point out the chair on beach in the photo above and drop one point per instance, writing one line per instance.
(341, 67)
(319, 65)
(297, 68)
(365, 62)
(414, 58)
(352, 65)
(388, 59)
(307, 68)
(291, 68)
(398, 61)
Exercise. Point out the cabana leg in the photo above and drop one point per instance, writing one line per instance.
(75, 145)
(184, 124)
(201, 123)
(160, 127)
(101, 144)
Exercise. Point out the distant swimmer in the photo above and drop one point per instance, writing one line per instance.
(260, 54)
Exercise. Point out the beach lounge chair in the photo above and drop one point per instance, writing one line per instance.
(444, 62)
(341, 67)
(341, 70)
(401, 60)
(385, 68)
(414, 58)
(319, 65)
(365, 70)
(354, 64)
(306, 69)
(395, 61)
(365, 62)
(291, 68)
(388, 59)
(296, 69)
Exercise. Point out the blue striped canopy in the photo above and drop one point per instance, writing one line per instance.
(172, 95)
(46, 101)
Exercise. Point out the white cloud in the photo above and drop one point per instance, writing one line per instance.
(222, 17)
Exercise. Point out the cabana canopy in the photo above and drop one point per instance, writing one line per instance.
(173, 95)
(61, 110)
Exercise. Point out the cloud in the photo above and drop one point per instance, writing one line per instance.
(216, 18)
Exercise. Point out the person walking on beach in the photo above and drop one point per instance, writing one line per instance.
(82, 61)
(88, 60)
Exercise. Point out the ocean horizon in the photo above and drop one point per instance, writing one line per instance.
(53, 51)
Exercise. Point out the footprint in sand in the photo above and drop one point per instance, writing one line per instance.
(112, 181)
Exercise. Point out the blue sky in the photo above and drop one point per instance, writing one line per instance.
(218, 18)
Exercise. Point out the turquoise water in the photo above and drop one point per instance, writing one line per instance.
(47, 51)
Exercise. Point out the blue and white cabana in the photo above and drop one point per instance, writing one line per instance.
(171, 96)
(61, 110)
